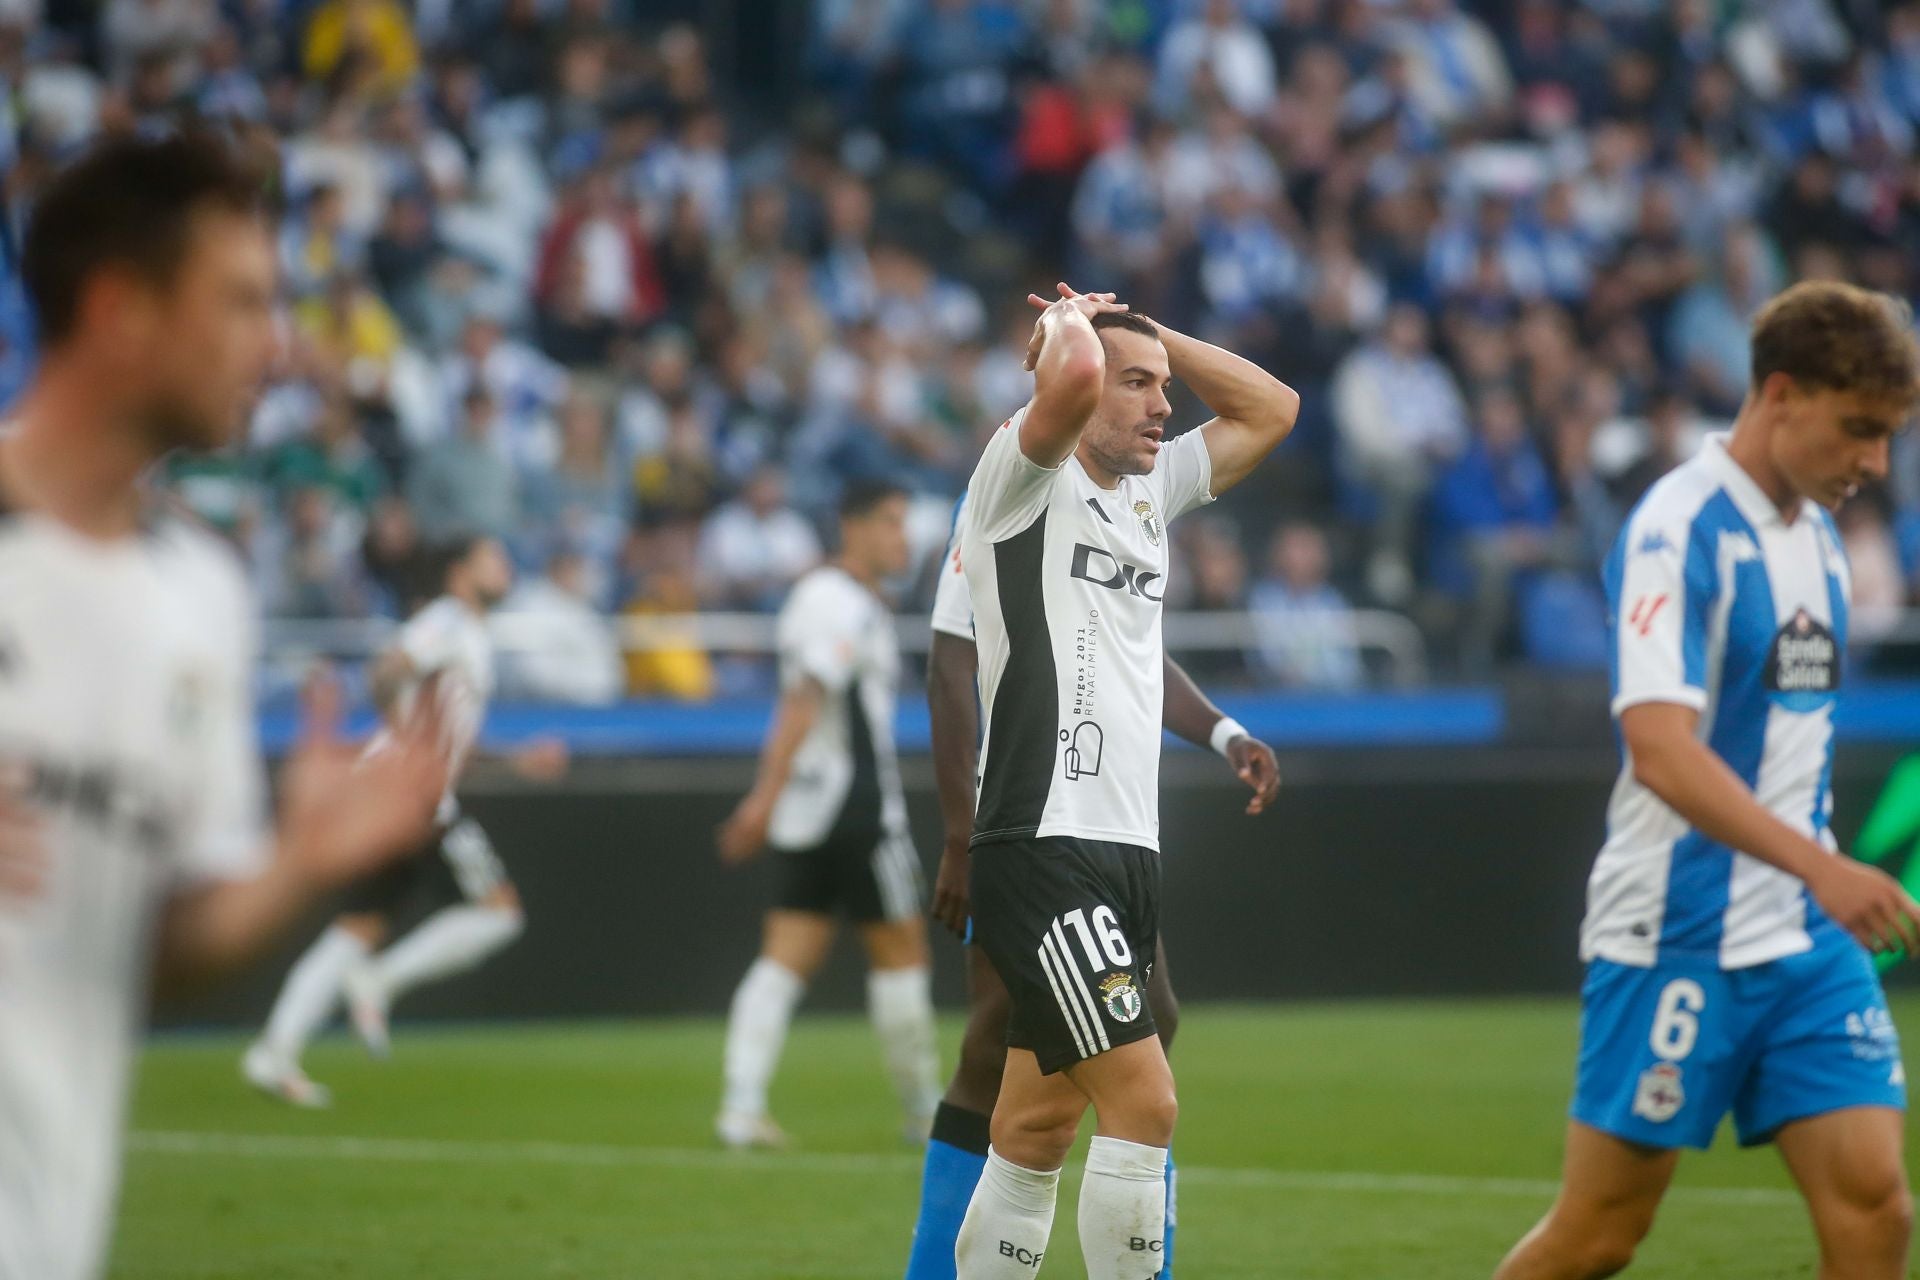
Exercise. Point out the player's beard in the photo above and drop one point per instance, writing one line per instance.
(1124, 461)
(174, 423)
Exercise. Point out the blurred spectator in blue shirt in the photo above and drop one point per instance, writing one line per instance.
(1306, 627)
(1707, 331)
(954, 58)
(1400, 416)
(1457, 67)
(1228, 50)
(1493, 518)
(464, 483)
(583, 501)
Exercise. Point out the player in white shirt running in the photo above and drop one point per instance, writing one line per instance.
(1726, 938)
(471, 909)
(133, 840)
(827, 799)
(1064, 545)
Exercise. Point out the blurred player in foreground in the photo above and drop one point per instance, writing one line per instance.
(472, 910)
(1064, 548)
(828, 800)
(1728, 943)
(958, 1151)
(133, 840)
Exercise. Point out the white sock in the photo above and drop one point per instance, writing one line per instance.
(756, 1032)
(1123, 1210)
(451, 940)
(900, 1002)
(1008, 1221)
(307, 997)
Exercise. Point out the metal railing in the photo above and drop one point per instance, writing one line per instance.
(1393, 640)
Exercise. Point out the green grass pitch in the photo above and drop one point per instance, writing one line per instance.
(1376, 1141)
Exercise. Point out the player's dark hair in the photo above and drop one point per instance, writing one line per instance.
(862, 497)
(1826, 335)
(433, 564)
(128, 202)
(1128, 321)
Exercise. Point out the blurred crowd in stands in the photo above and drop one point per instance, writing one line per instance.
(551, 276)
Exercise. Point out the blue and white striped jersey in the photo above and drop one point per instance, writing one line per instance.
(1717, 602)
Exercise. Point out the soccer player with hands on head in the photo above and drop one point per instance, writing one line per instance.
(1063, 544)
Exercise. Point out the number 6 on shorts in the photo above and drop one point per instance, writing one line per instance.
(1676, 1021)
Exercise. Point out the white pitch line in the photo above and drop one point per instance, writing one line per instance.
(451, 1151)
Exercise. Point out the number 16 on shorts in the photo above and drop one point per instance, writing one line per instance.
(1102, 983)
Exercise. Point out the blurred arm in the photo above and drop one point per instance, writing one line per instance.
(952, 666)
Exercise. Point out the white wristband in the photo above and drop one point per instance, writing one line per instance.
(1224, 732)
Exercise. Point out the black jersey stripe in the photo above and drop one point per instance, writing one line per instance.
(859, 816)
(1024, 721)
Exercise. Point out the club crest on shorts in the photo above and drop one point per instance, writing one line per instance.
(1120, 996)
(1659, 1096)
(1149, 522)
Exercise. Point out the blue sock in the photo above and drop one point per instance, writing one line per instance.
(955, 1157)
(1166, 1248)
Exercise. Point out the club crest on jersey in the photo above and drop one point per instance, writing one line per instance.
(1149, 522)
(1803, 665)
(1659, 1096)
(1120, 996)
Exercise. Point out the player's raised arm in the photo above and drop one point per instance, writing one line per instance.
(1253, 410)
(1068, 367)
(1188, 713)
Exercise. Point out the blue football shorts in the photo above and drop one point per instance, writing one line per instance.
(1667, 1051)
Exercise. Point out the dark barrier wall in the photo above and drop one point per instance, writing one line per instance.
(1379, 873)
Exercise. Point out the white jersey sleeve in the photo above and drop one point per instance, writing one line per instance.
(1009, 490)
(952, 601)
(227, 839)
(1661, 609)
(1184, 474)
(819, 634)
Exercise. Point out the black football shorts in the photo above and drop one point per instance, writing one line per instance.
(1071, 926)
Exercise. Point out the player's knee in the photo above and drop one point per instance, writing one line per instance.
(1607, 1256)
(1146, 1113)
(503, 898)
(1876, 1216)
(1597, 1249)
(1037, 1135)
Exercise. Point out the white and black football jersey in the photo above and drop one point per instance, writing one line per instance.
(846, 775)
(448, 640)
(126, 718)
(1066, 580)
